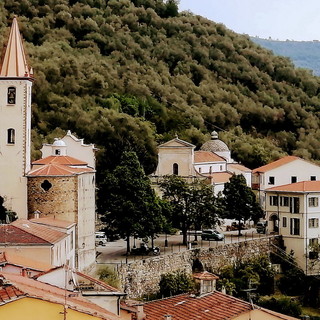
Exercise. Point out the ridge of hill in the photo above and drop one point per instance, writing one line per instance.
(128, 75)
(304, 54)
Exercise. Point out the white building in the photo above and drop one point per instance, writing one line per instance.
(293, 211)
(289, 169)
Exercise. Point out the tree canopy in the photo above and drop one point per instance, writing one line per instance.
(192, 204)
(127, 202)
(239, 201)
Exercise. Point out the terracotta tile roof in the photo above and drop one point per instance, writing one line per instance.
(47, 234)
(57, 170)
(207, 156)
(17, 260)
(61, 160)
(239, 167)
(302, 186)
(212, 306)
(53, 222)
(14, 62)
(10, 234)
(9, 293)
(276, 164)
(54, 294)
(220, 177)
(205, 275)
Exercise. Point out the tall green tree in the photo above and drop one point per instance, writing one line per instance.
(192, 204)
(239, 201)
(128, 202)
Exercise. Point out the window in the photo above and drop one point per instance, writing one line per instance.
(199, 170)
(313, 223)
(284, 222)
(271, 180)
(295, 226)
(273, 200)
(293, 179)
(11, 136)
(11, 98)
(313, 242)
(284, 201)
(210, 170)
(220, 168)
(313, 201)
(294, 205)
(46, 185)
(313, 178)
(175, 169)
(57, 152)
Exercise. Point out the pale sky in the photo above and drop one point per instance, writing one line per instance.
(278, 19)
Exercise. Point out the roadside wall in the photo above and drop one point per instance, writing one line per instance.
(142, 277)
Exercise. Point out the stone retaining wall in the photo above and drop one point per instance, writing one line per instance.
(142, 277)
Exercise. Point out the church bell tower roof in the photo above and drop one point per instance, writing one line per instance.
(14, 63)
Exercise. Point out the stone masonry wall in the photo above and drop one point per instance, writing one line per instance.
(142, 277)
(59, 201)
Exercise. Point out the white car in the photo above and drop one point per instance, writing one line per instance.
(101, 239)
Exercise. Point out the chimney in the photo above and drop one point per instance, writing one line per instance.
(140, 313)
(37, 214)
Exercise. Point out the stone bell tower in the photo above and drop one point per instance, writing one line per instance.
(15, 123)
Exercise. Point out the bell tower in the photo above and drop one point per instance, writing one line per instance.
(16, 80)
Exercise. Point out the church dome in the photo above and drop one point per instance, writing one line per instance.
(58, 143)
(215, 144)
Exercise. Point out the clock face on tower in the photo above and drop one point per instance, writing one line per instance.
(11, 95)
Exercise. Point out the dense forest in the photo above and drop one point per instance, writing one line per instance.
(304, 54)
(128, 75)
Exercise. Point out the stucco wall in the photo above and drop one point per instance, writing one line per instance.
(142, 277)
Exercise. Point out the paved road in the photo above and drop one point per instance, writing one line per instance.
(115, 252)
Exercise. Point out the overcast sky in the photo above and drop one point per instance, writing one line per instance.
(278, 19)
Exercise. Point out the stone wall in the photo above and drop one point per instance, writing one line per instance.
(142, 277)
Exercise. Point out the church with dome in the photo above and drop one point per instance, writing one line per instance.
(58, 187)
(212, 163)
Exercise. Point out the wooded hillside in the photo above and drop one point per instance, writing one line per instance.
(127, 75)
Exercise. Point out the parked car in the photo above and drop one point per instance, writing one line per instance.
(101, 239)
(212, 234)
(261, 226)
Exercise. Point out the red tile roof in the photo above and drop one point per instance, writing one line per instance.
(302, 186)
(62, 160)
(276, 164)
(211, 306)
(52, 169)
(46, 234)
(40, 290)
(220, 177)
(53, 222)
(9, 293)
(10, 234)
(238, 166)
(205, 275)
(207, 156)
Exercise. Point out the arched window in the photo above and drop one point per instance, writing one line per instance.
(11, 136)
(175, 168)
(11, 98)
